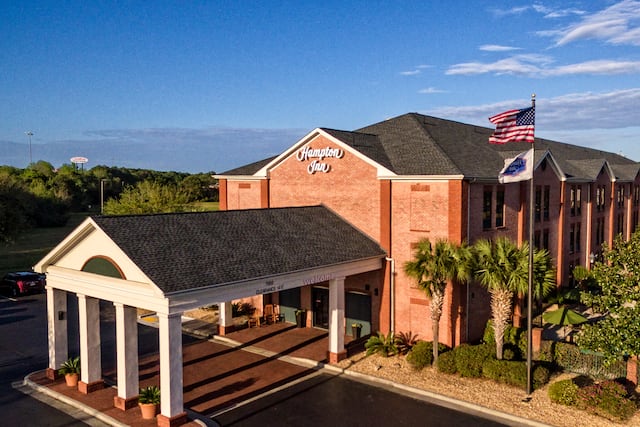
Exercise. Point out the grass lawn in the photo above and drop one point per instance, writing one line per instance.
(32, 245)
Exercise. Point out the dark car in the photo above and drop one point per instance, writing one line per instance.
(23, 282)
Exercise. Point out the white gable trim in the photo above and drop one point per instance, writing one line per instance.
(264, 172)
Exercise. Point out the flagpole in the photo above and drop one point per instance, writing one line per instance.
(530, 290)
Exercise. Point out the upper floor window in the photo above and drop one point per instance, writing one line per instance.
(546, 202)
(620, 196)
(575, 200)
(600, 197)
(500, 207)
(538, 204)
(486, 208)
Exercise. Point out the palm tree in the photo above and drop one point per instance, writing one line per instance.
(503, 269)
(433, 266)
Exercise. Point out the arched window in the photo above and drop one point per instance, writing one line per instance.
(104, 267)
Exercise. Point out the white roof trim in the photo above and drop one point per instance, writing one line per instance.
(264, 172)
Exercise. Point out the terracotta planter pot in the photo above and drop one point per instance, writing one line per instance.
(71, 380)
(149, 410)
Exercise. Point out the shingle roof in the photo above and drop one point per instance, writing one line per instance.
(415, 144)
(183, 251)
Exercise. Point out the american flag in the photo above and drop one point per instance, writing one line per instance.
(513, 125)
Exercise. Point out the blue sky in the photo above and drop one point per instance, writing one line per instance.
(202, 86)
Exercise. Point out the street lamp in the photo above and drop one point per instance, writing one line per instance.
(29, 134)
(102, 181)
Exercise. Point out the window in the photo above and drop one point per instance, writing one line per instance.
(547, 196)
(577, 237)
(634, 225)
(536, 239)
(575, 200)
(620, 224)
(486, 208)
(620, 196)
(538, 204)
(572, 236)
(600, 195)
(545, 239)
(599, 231)
(500, 208)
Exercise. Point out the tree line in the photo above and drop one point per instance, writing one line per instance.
(43, 196)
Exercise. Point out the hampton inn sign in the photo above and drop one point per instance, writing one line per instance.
(317, 155)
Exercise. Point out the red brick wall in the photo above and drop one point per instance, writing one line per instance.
(244, 194)
(350, 188)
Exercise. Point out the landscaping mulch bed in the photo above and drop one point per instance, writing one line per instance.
(483, 392)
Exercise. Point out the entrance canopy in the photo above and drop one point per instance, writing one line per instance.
(171, 263)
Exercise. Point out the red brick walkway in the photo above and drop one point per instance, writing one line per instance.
(217, 376)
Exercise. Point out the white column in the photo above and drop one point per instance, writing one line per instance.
(57, 323)
(127, 350)
(171, 403)
(336, 317)
(224, 311)
(90, 364)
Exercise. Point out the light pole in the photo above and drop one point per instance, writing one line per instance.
(102, 181)
(29, 134)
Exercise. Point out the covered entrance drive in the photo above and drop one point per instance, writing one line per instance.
(172, 263)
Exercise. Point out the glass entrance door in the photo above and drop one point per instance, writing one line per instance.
(320, 308)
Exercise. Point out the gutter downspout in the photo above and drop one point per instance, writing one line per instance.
(392, 284)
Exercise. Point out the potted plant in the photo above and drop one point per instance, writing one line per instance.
(356, 330)
(301, 317)
(148, 400)
(71, 371)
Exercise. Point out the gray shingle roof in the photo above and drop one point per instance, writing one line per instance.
(415, 144)
(183, 251)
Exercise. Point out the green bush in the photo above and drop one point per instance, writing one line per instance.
(421, 355)
(514, 344)
(607, 399)
(514, 373)
(564, 392)
(382, 344)
(470, 358)
(447, 362)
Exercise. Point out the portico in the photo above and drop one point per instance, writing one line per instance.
(173, 263)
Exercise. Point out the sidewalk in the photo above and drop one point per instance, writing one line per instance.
(221, 373)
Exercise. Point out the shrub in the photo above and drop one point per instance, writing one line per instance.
(515, 340)
(607, 399)
(149, 394)
(405, 341)
(421, 355)
(514, 372)
(564, 392)
(70, 366)
(382, 344)
(447, 362)
(470, 358)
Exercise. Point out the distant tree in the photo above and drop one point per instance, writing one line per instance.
(617, 297)
(433, 266)
(15, 205)
(147, 197)
(199, 187)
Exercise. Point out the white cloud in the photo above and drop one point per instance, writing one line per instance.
(617, 24)
(524, 65)
(541, 66)
(497, 48)
(430, 90)
(575, 111)
(417, 70)
(547, 12)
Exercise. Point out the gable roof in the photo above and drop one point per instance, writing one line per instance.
(417, 145)
(184, 251)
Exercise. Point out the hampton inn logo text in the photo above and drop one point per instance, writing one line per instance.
(317, 155)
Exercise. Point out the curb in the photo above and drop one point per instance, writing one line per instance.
(71, 402)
